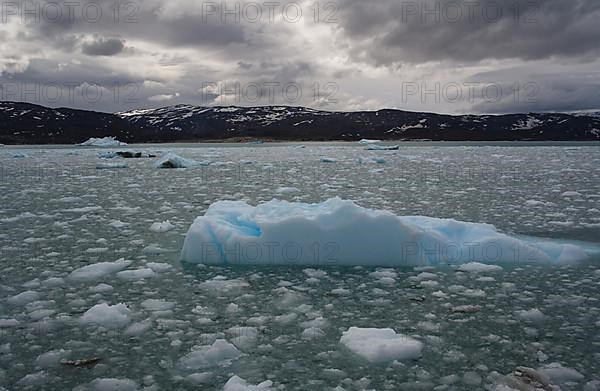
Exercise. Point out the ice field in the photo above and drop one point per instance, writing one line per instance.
(94, 294)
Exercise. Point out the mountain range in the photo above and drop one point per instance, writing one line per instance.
(26, 123)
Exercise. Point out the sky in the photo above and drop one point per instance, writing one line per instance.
(455, 57)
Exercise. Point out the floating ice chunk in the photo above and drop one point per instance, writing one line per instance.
(532, 315)
(342, 233)
(107, 155)
(118, 224)
(4, 323)
(524, 379)
(171, 160)
(110, 384)
(383, 147)
(220, 285)
(312, 333)
(476, 267)
(98, 270)
(559, 374)
(165, 226)
(238, 384)
(106, 315)
(110, 166)
(101, 288)
(23, 298)
(157, 305)
(313, 273)
(102, 142)
(159, 267)
(33, 380)
(243, 338)
(366, 141)
(380, 345)
(210, 355)
(51, 358)
(137, 274)
(287, 190)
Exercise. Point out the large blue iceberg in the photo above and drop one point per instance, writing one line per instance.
(339, 232)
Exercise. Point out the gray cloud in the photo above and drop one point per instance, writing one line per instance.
(430, 30)
(103, 47)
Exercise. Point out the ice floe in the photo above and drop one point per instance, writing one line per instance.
(339, 232)
(208, 356)
(102, 142)
(106, 315)
(375, 147)
(172, 160)
(236, 383)
(97, 270)
(165, 226)
(380, 345)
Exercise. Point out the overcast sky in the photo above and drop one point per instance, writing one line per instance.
(479, 56)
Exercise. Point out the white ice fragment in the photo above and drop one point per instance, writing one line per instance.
(287, 190)
(366, 141)
(106, 315)
(210, 355)
(51, 358)
(171, 160)
(110, 166)
(97, 270)
(532, 315)
(102, 142)
(165, 226)
(222, 285)
(23, 298)
(380, 345)
(101, 288)
(559, 374)
(137, 274)
(383, 147)
(111, 384)
(476, 267)
(238, 384)
(157, 305)
(159, 267)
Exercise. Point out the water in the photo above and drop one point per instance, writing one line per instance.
(60, 213)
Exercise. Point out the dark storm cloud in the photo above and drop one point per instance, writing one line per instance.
(103, 47)
(389, 31)
(543, 92)
(144, 21)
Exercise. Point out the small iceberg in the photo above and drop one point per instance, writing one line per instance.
(110, 166)
(380, 345)
(165, 226)
(102, 142)
(383, 147)
(236, 383)
(339, 232)
(171, 160)
(366, 141)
